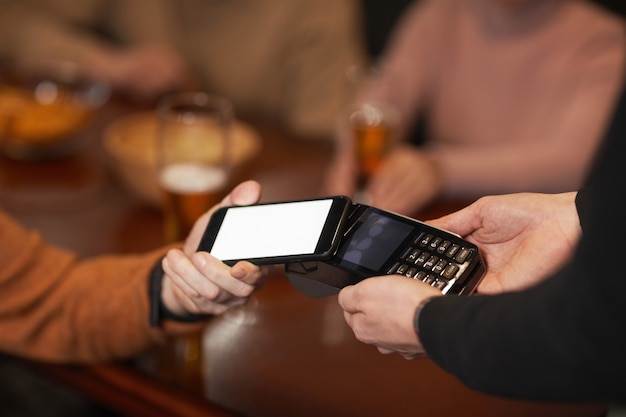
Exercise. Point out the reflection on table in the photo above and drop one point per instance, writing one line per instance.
(281, 355)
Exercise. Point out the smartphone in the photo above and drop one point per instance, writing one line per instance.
(277, 233)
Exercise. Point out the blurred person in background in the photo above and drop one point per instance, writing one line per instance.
(283, 60)
(509, 95)
(130, 45)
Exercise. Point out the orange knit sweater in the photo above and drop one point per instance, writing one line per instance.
(56, 307)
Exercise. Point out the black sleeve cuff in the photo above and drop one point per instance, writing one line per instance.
(583, 204)
(158, 310)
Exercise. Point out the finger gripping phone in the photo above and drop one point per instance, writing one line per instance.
(327, 244)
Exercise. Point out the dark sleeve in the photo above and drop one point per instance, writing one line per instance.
(583, 202)
(564, 339)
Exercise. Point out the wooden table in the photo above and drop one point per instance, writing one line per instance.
(282, 355)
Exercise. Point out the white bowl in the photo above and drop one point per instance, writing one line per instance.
(130, 143)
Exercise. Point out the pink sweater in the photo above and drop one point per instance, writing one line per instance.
(514, 102)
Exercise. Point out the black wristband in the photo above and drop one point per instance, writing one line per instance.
(158, 310)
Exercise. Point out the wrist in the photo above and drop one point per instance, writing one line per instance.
(159, 311)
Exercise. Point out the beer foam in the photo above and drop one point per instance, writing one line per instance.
(192, 178)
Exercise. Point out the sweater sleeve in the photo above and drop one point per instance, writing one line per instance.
(56, 307)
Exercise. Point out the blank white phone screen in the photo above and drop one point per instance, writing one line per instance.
(271, 230)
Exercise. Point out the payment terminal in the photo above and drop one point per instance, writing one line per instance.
(326, 244)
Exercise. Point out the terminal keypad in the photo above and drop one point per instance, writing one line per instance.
(433, 259)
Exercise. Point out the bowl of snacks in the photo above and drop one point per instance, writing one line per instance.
(44, 110)
(130, 143)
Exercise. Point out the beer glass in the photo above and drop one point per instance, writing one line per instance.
(371, 126)
(193, 157)
(371, 138)
(371, 123)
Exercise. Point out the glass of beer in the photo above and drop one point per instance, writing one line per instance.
(372, 126)
(193, 157)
